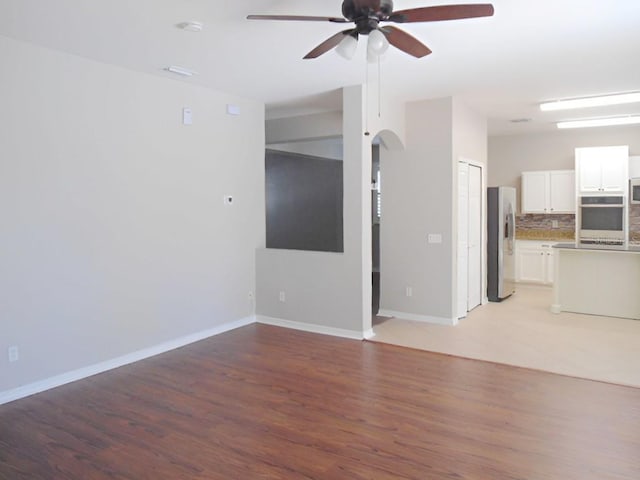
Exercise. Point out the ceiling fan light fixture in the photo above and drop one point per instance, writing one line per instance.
(347, 46)
(601, 122)
(586, 102)
(377, 44)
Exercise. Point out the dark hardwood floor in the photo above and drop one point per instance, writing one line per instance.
(262, 402)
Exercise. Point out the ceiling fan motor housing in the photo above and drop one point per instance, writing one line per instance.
(355, 10)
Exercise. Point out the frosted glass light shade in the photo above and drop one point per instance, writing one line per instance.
(378, 43)
(347, 47)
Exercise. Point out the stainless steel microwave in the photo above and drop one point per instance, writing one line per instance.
(634, 190)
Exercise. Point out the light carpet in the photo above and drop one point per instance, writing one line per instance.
(521, 331)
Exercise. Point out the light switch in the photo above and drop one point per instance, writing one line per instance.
(434, 238)
(186, 116)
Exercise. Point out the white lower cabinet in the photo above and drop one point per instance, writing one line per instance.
(535, 261)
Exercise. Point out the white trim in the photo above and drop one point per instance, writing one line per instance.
(369, 334)
(68, 377)
(418, 318)
(309, 327)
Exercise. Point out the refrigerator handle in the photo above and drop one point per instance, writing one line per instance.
(509, 230)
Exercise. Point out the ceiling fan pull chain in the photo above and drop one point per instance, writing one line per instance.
(366, 98)
(379, 86)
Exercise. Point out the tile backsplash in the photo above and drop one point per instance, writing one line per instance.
(530, 226)
(533, 226)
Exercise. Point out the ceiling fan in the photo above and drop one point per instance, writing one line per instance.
(367, 16)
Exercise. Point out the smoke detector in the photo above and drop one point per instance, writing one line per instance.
(191, 26)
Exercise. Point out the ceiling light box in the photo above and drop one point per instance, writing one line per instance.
(587, 102)
(601, 122)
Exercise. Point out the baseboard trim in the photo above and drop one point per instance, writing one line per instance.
(79, 374)
(309, 327)
(369, 334)
(419, 318)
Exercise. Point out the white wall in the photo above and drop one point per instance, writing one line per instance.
(330, 291)
(323, 148)
(469, 144)
(419, 193)
(322, 289)
(510, 155)
(114, 237)
(304, 127)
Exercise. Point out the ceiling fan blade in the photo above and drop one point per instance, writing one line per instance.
(405, 42)
(328, 44)
(442, 12)
(303, 18)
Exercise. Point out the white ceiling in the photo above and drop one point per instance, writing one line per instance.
(503, 66)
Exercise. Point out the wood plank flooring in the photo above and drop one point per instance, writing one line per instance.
(263, 402)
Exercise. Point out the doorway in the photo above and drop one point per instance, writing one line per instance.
(470, 233)
(375, 227)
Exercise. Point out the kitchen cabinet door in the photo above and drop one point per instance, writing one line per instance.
(550, 266)
(535, 192)
(590, 172)
(614, 174)
(602, 170)
(549, 191)
(562, 191)
(535, 262)
(532, 266)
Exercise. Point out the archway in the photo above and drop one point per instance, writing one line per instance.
(383, 144)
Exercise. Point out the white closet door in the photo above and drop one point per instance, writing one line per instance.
(475, 238)
(463, 232)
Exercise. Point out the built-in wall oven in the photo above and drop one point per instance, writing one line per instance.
(602, 220)
(634, 190)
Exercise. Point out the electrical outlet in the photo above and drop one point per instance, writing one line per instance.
(409, 292)
(282, 297)
(14, 354)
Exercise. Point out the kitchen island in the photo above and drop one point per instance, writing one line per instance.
(597, 280)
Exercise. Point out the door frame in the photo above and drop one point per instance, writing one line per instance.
(483, 230)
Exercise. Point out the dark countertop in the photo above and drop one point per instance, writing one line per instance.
(613, 248)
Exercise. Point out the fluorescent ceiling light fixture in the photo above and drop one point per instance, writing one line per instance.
(601, 122)
(617, 99)
(180, 71)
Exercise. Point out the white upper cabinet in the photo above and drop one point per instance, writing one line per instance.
(602, 170)
(551, 191)
(562, 191)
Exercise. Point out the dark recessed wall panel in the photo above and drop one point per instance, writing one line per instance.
(304, 202)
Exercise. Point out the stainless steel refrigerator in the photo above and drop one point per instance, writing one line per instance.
(501, 233)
